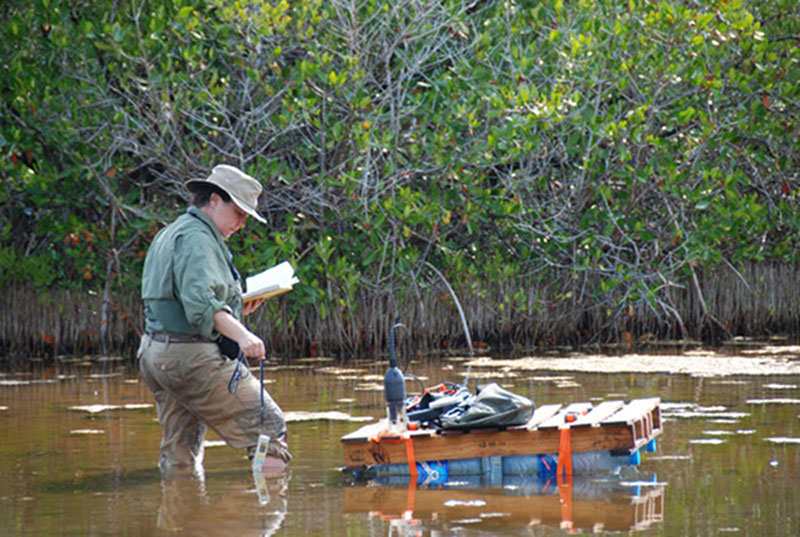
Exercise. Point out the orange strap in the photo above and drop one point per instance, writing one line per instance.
(564, 476)
(412, 461)
(410, 498)
(409, 442)
(565, 499)
(564, 453)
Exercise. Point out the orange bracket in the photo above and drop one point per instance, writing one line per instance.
(409, 442)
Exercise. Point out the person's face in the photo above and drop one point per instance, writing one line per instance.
(228, 217)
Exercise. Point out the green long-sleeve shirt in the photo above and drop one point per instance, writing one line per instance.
(188, 277)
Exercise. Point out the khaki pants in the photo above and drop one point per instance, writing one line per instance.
(189, 382)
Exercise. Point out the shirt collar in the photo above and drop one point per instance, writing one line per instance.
(197, 213)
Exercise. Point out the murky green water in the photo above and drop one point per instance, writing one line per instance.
(728, 462)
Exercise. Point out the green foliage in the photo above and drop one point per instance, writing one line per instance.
(620, 144)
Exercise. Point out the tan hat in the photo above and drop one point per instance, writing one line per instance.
(243, 189)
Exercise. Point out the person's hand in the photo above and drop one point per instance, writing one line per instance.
(251, 306)
(252, 346)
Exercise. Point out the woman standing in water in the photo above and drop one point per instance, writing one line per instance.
(193, 308)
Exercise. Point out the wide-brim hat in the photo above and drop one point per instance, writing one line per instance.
(243, 189)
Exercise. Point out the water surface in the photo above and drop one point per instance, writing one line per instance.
(80, 444)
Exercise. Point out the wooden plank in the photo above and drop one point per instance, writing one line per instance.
(633, 411)
(599, 413)
(365, 432)
(479, 443)
(558, 419)
(542, 414)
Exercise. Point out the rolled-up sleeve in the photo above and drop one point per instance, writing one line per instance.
(202, 280)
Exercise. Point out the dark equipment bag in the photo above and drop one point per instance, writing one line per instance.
(491, 406)
(435, 401)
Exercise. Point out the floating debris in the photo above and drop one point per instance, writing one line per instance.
(368, 388)
(94, 409)
(781, 386)
(701, 353)
(333, 415)
(489, 375)
(465, 503)
(568, 384)
(562, 378)
(782, 440)
(773, 351)
(4, 382)
(371, 378)
(643, 483)
(710, 441)
(110, 359)
(778, 401)
(690, 410)
(95, 376)
(87, 431)
(297, 367)
(320, 359)
(341, 371)
(712, 364)
(468, 521)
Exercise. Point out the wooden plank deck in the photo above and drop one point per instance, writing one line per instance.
(611, 425)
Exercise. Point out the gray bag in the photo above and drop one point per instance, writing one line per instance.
(492, 406)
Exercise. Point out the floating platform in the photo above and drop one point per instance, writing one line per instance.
(576, 439)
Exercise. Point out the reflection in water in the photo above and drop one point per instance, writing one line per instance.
(583, 503)
(188, 507)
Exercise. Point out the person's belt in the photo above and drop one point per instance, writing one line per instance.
(163, 337)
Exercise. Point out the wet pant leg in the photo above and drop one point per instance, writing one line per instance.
(193, 378)
(183, 433)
